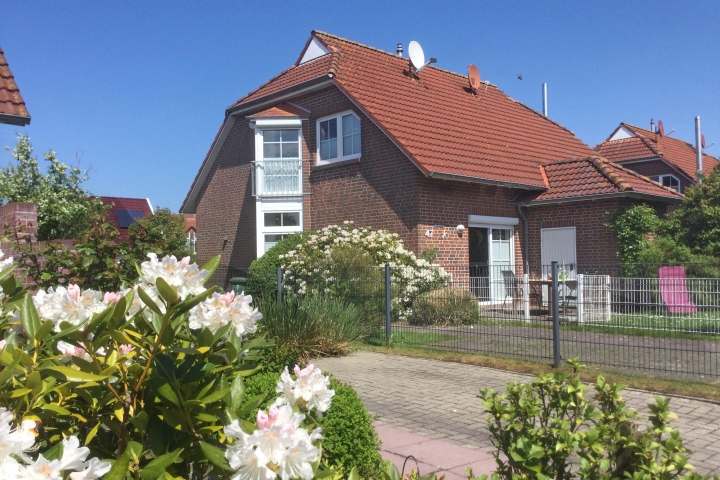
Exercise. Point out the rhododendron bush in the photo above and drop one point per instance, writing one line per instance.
(319, 265)
(146, 383)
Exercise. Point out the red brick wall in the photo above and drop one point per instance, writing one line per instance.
(658, 167)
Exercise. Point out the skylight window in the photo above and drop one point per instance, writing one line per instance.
(127, 217)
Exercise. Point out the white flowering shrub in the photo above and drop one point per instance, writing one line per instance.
(144, 383)
(313, 266)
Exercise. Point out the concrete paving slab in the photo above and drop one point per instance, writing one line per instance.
(394, 437)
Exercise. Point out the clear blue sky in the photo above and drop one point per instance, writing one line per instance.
(137, 90)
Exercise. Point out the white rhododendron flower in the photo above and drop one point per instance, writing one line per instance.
(279, 447)
(7, 263)
(310, 389)
(187, 277)
(70, 304)
(15, 444)
(221, 309)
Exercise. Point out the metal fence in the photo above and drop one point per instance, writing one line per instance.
(667, 320)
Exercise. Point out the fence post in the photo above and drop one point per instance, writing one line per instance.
(555, 315)
(279, 283)
(608, 298)
(388, 312)
(526, 297)
(580, 298)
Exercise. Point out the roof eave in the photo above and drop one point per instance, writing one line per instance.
(19, 120)
(601, 196)
(486, 181)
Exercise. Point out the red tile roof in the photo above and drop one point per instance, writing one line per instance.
(436, 119)
(12, 105)
(678, 153)
(122, 203)
(283, 110)
(575, 179)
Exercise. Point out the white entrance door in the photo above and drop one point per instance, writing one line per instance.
(558, 244)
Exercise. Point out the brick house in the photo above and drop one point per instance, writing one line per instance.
(124, 211)
(350, 132)
(667, 160)
(12, 105)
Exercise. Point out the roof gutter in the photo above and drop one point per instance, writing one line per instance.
(485, 181)
(600, 196)
(307, 86)
(10, 119)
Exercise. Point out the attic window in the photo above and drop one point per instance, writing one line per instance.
(338, 137)
(670, 181)
(127, 217)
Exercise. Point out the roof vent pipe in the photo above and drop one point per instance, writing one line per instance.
(698, 148)
(399, 50)
(652, 125)
(544, 93)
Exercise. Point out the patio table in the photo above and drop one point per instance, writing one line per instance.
(535, 282)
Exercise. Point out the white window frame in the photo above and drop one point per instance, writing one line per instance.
(659, 179)
(340, 158)
(260, 126)
(495, 223)
(271, 206)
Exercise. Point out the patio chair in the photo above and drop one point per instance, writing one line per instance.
(673, 290)
(514, 288)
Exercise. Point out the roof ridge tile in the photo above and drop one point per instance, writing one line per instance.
(601, 165)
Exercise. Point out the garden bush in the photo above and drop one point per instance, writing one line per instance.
(550, 429)
(350, 438)
(262, 274)
(445, 306)
(312, 325)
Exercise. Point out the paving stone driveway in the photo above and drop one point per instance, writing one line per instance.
(439, 400)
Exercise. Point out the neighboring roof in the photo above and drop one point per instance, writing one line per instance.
(596, 177)
(436, 119)
(283, 110)
(12, 105)
(190, 222)
(123, 209)
(645, 144)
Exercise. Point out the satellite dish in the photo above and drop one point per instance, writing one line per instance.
(417, 56)
(702, 141)
(474, 76)
(661, 128)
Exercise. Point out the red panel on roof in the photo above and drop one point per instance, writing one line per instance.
(282, 110)
(436, 119)
(12, 105)
(121, 203)
(676, 152)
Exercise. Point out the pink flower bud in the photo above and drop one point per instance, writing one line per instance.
(73, 291)
(111, 298)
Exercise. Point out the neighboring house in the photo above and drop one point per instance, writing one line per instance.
(665, 159)
(191, 230)
(12, 105)
(124, 211)
(350, 133)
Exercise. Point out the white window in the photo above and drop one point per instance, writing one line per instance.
(670, 181)
(338, 137)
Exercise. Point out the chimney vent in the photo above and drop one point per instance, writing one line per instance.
(399, 50)
(544, 99)
(652, 125)
(698, 148)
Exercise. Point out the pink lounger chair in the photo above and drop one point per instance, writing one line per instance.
(673, 290)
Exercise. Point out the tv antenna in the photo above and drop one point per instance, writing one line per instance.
(417, 57)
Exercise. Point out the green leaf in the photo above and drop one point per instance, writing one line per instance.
(91, 434)
(44, 329)
(353, 474)
(119, 468)
(154, 469)
(168, 294)
(167, 393)
(29, 316)
(72, 375)
(211, 266)
(189, 303)
(56, 408)
(215, 456)
(149, 303)
(237, 391)
(216, 395)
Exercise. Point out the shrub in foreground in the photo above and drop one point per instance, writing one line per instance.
(315, 325)
(350, 441)
(549, 429)
(445, 306)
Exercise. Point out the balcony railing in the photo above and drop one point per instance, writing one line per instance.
(277, 178)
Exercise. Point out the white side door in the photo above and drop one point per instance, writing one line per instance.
(558, 244)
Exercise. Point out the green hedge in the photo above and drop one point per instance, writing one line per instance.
(445, 306)
(262, 274)
(350, 438)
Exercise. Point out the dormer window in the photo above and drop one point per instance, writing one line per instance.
(670, 181)
(338, 138)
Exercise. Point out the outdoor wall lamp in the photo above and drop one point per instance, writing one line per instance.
(460, 229)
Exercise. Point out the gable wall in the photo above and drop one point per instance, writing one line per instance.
(658, 167)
